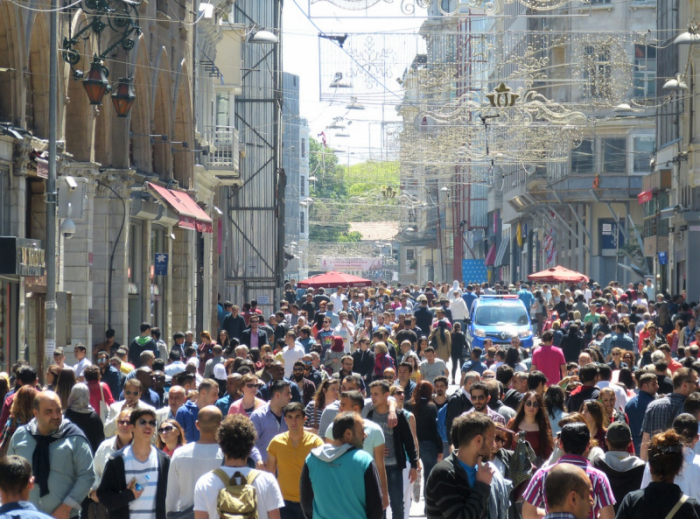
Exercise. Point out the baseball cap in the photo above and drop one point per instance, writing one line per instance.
(619, 432)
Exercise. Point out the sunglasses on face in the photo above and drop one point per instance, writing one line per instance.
(530, 403)
(166, 429)
(251, 385)
(123, 422)
(388, 377)
(144, 423)
(131, 393)
(399, 393)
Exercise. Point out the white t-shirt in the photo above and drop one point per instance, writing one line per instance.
(80, 367)
(291, 355)
(146, 475)
(207, 490)
(187, 464)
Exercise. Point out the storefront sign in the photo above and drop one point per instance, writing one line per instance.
(21, 257)
(611, 236)
(160, 265)
(352, 264)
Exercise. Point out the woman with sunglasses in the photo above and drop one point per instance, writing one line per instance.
(628, 358)
(617, 363)
(326, 394)
(170, 437)
(109, 446)
(532, 418)
(249, 402)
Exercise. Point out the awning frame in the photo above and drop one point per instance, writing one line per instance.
(191, 215)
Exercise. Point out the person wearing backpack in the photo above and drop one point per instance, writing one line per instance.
(234, 489)
(135, 478)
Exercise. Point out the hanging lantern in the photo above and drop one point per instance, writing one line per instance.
(123, 97)
(95, 82)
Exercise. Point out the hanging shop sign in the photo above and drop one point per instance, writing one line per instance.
(21, 257)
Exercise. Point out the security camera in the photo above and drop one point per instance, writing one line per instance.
(67, 229)
(72, 184)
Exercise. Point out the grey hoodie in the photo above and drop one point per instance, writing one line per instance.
(328, 452)
(622, 461)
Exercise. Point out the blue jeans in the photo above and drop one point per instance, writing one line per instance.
(428, 456)
(291, 510)
(394, 479)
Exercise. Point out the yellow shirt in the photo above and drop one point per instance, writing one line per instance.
(290, 461)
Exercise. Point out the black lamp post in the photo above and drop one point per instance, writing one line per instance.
(123, 97)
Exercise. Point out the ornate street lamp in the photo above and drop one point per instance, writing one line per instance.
(123, 97)
(95, 82)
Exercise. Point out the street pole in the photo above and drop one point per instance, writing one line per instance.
(51, 196)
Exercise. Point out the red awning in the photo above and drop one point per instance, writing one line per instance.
(334, 279)
(191, 215)
(558, 274)
(645, 196)
(491, 256)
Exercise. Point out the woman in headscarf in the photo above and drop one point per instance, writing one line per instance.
(81, 413)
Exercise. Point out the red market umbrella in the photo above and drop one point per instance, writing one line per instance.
(558, 274)
(334, 280)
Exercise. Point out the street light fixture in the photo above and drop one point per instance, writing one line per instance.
(689, 37)
(263, 37)
(676, 83)
(95, 83)
(123, 98)
(354, 104)
(340, 82)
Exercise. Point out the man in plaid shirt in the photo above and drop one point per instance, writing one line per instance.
(575, 441)
(660, 414)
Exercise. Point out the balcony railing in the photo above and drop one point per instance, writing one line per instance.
(223, 154)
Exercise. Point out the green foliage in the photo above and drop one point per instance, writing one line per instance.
(345, 194)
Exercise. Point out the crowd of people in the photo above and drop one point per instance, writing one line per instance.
(339, 405)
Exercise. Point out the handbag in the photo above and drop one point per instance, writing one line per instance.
(104, 408)
(520, 468)
(97, 511)
(187, 513)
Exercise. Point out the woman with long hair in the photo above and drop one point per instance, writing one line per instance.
(51, 377)
(412, 359)
(429, 441)
(628, 358)
(249, 402)
(21, 413)
(365, 330)
(327, 393)
(400, 395)
(423, 343)
(441, 340)
(64, 385)
(663, 320)
(81, 413)
(555, 402)
(223, 340)
(593, 413)
(204, 352)
(532, 418)
(170, 437)
(662, 496)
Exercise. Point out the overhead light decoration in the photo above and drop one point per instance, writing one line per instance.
(689, 37)
(122, 18)
(354, 104)
(677, 83)
(340, 82)
(502, 96)
(490, 7)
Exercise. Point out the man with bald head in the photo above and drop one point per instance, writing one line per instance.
(60, 456)
(569, 492)
(193, 460)
(176, 399)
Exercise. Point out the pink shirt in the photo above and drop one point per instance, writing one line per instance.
(549, 360)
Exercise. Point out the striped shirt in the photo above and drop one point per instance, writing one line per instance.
(146, 475)
(602, 493)
(497, 418)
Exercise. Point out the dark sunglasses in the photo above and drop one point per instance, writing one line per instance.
(251, 385)
(166, 428)
(399, 393)
(123, 422)
(143, 423)
(530, 403)
(388, 377)
(131, 393)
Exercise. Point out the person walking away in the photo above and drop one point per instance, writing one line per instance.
(285, 457)
(187, 414)
(236, 438)
(568, 491)
(135, 479)
(192, 461)
(341, 476)
(624, 471)
(16, 482)
(549, 359)
(60, 455)
(662, 498)
(637, 406)
(141, 343)
(458, 347)
(429, 441)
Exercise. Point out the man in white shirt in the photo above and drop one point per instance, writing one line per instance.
(292, 352)
(190, 462)
(175, 365)
(236, 440)
(346, 330)
(79, 352)
(176, 399)
(338, 298)
(459, 308)
(432, 367)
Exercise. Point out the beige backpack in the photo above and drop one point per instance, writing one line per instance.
(238, 499)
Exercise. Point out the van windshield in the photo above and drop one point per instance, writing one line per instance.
(500, 316)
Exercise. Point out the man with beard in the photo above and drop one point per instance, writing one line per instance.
(460, 485)
(306, 387)
(60, 455)
(480, 399)
(340, 476)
